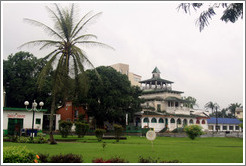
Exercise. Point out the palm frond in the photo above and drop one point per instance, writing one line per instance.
(203, 21)
(82, 26)
(46, 28)
(95, 43)
(40, 42)
(86, 37)
(233, 12)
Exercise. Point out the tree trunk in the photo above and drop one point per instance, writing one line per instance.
(52, 140)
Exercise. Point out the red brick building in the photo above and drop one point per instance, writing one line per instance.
(71, 113)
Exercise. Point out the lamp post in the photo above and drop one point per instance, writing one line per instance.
(33, 109)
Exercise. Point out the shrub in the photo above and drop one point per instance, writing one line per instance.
(99, 134)
(66, 158)
(193, 131)
(81, 129)
(178, 130)
(152, 160)
(112, 160)
(65, 128)
(118, 129)
(18, 155)
(44, 158)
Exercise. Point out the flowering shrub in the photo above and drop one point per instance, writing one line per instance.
(193, 131)
(16, 154)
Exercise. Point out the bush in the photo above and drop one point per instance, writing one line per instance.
(81, 129)
(18, 155)
(44, 158)
(99, 134)
(65, 128)
(118, 129)
(193, 131)
(112, 160)
(66, 158)
(178, 130)
(152, 160)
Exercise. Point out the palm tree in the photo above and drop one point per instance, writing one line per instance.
(67, 57)
(232, 107)
(210, 105)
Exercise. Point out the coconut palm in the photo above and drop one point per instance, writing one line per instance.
(67, 58)
(210, 105)
(232, 107)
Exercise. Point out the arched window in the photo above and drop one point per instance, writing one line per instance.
(191, 121)
(153, 120)
(203, 121)
(178, 121)
(185, 122)
(197, 121)
(172, 120)
(146, 120)
(161, 120)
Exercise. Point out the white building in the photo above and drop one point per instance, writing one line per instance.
(165, 108)
(15, 119)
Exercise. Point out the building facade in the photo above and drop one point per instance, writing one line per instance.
(224, 124)
(164, 107)
(124, 69)
(68, 112)
(239, 113)
(15, 119)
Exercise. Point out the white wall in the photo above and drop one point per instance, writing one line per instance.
(26, 116)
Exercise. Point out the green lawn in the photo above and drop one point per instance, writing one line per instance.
(200, 150)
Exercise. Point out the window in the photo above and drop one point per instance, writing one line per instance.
(224, 127)
(237, 128)
(197, 121)
(172, 120)
(218, 127)
(146, 120)
(161, 120)
(76, 114)
(158, 107)
(38, 121)
(185, 122)
(153, 120)
(203, 122)
(210, 127)
(191, 121)
(169, 104)
(176, 104)
(230, 127)
(178, 121)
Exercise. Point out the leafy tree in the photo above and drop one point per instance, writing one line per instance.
(191, 102)
(232, 108)
(65, 127)
(193, 131)
(20, 73)
(111, 96)
(232, 12)
(67, 57)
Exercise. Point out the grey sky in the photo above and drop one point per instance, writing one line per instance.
(208, 65)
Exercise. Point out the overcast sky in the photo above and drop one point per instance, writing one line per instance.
(207, 65)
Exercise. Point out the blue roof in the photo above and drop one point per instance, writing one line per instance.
(224, 121)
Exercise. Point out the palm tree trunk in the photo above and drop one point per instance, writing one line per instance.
(52, 140)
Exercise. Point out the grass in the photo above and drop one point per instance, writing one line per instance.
(200, 150)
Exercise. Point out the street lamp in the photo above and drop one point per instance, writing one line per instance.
(33, 109)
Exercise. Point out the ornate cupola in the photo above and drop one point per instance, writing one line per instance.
(156, 73)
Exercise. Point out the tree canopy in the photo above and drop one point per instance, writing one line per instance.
(232, 12)
(20, 73)
(111, 96)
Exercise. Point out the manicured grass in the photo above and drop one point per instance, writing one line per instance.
(200, 150)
